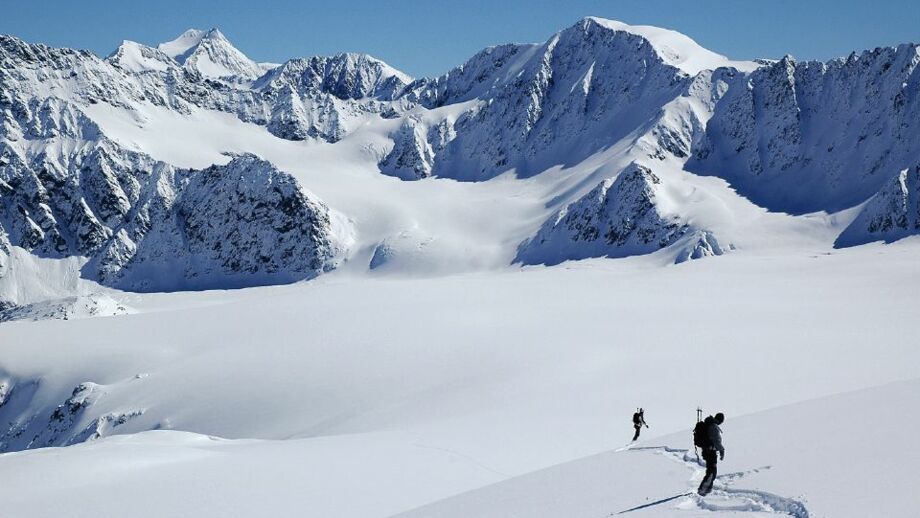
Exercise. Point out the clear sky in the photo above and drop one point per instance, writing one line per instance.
(430, 37)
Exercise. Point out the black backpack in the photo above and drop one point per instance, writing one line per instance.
(701, 435)
(637, 418)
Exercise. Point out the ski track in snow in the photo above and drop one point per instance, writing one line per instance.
(743, 500)
(460, 455)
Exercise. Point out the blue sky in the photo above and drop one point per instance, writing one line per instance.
(429, 37)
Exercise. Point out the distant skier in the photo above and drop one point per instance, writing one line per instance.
(707, 436)
(638, 423)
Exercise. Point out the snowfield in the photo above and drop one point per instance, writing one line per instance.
(325, 288)
(780, 449)
(357, 397)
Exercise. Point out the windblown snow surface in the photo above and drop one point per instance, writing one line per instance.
(487, 272)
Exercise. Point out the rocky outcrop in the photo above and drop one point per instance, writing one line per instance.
(412, 155)
(480, 77)
(806, 136)
(64, 199)
(242, 224)
(700, 244)
(345, 76)
(4, 254)
(67, 308)
(892, 214)
(74, 420)
(618, 218)
(323, 97)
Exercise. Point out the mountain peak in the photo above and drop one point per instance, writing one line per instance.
(136, 57)
(675, 49)
(357, 59)
(181, 45)
(211, 54)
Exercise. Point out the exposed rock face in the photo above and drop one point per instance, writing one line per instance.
(412, 155)
(892, 214)
(480, 77)
(550, 104)
(67, 190)
(320, 97)
(618, 218)
(700, 244)
(4, 255)
(82, 194)
(68, 308)
(35, 426)
(246, 223)
(805, 136)
(148, 226)
(530, 107)
(67, 198)
(345, 76)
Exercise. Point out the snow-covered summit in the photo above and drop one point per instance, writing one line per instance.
(183, 44)
(496, 67)
(138, 58)
(587, 86)
(84, 140)
(211, 54)
(676, 49)
(345, 76)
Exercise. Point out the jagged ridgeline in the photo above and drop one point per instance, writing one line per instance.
(790, 136)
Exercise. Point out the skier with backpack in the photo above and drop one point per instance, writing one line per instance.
(707, 436)
(638, 422)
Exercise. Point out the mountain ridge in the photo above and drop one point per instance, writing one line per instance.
(784, 134)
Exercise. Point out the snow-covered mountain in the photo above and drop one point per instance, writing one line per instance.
(807, 136)
(892, 214)
(78, 193)
(240, 224)
(627, 216)
(600, 99)
(210, 54)
(493, 289)
(589, 86)
(324, 97)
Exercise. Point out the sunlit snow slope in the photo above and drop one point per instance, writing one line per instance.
(336, 290)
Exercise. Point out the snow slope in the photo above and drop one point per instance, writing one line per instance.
(504, 373)
(797, 460)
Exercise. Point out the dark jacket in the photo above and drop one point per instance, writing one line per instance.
(715, 435)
